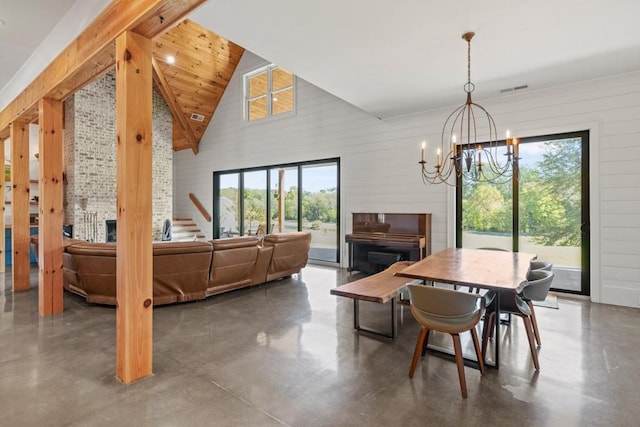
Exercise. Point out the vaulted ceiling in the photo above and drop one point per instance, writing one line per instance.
(386, 57)
(203, 64)
(192, 85)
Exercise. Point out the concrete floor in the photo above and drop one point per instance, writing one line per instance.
(285, 353)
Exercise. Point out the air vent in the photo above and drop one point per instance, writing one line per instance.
(511, 89)
(197, 117)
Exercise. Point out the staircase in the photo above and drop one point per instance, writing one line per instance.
(185, 230)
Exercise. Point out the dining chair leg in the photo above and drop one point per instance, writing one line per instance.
(416, 354)
(426, 343)
(457, 348)
(476, 345)
(486, 331)
(534, 322)
(532, 344)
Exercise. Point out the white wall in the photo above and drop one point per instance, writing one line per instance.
(379, 159)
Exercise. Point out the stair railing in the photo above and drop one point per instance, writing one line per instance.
(199, 206)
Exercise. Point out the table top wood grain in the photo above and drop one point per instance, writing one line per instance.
(380, 287)
(476, 268)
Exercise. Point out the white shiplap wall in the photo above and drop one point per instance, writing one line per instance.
(379, 159)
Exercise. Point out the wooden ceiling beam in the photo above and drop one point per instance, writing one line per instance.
(93, 52)
(176, 111)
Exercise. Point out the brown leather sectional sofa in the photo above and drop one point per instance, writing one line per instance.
(187, 271)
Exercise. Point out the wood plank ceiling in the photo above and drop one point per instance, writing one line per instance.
(195, 82)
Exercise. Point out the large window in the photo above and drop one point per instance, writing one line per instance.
(280, 199)
(544, 210)
(268, 92)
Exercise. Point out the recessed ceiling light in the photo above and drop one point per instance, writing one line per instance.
(171, 59)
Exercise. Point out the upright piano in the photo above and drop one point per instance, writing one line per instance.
(380, 239)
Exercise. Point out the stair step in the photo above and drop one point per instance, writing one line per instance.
(184, 229)
(183, 224)
(183, 235)
(187, 238)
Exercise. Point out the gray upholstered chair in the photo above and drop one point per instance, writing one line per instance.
(537, 287)
(540, 265)
(538, 291)
(448, 311)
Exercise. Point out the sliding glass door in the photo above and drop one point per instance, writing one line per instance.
(228, 202)
(284, 197)
(320, 209)
(544, 210)
(280, 199)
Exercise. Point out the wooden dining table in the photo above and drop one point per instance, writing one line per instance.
(475, 268)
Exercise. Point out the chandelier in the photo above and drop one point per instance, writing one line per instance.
(460, 154)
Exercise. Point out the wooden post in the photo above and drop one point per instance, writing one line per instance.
(280, 200)
(134, 260)
(50, 299)
(2, 216)
(20, 205)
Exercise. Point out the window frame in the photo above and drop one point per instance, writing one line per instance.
(268, 95)
(300, 167)
(586, 214)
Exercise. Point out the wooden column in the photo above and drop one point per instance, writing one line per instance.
(134, 320)
(20, 205)
(2, 212)
(50, 208)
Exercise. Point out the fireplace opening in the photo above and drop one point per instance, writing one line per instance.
(111, 230)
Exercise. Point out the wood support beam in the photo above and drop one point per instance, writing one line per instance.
(50, 300)
(176, 111)
(20, 205)
(2, 212)
(92, 52)
(134, 259)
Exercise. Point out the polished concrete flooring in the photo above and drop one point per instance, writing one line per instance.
(285, 353)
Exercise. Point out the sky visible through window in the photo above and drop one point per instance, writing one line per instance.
(314, 179)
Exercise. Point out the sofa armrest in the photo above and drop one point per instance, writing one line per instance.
(295, 236)
(290, 253)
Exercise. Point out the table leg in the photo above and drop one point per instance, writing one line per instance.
(394, 320)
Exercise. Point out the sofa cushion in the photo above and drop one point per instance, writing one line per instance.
(235, 243)
(233, 264)
(180, 271)
(290, 253)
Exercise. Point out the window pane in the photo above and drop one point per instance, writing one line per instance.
(282, 101)
(280, 79)
(229, 205)
(257, 85)
(284, 204)
(550, 206)
(255, 201)
(320, 210)
(258, 108)
(487, 212)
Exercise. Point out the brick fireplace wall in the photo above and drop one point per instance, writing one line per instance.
(90, 160)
